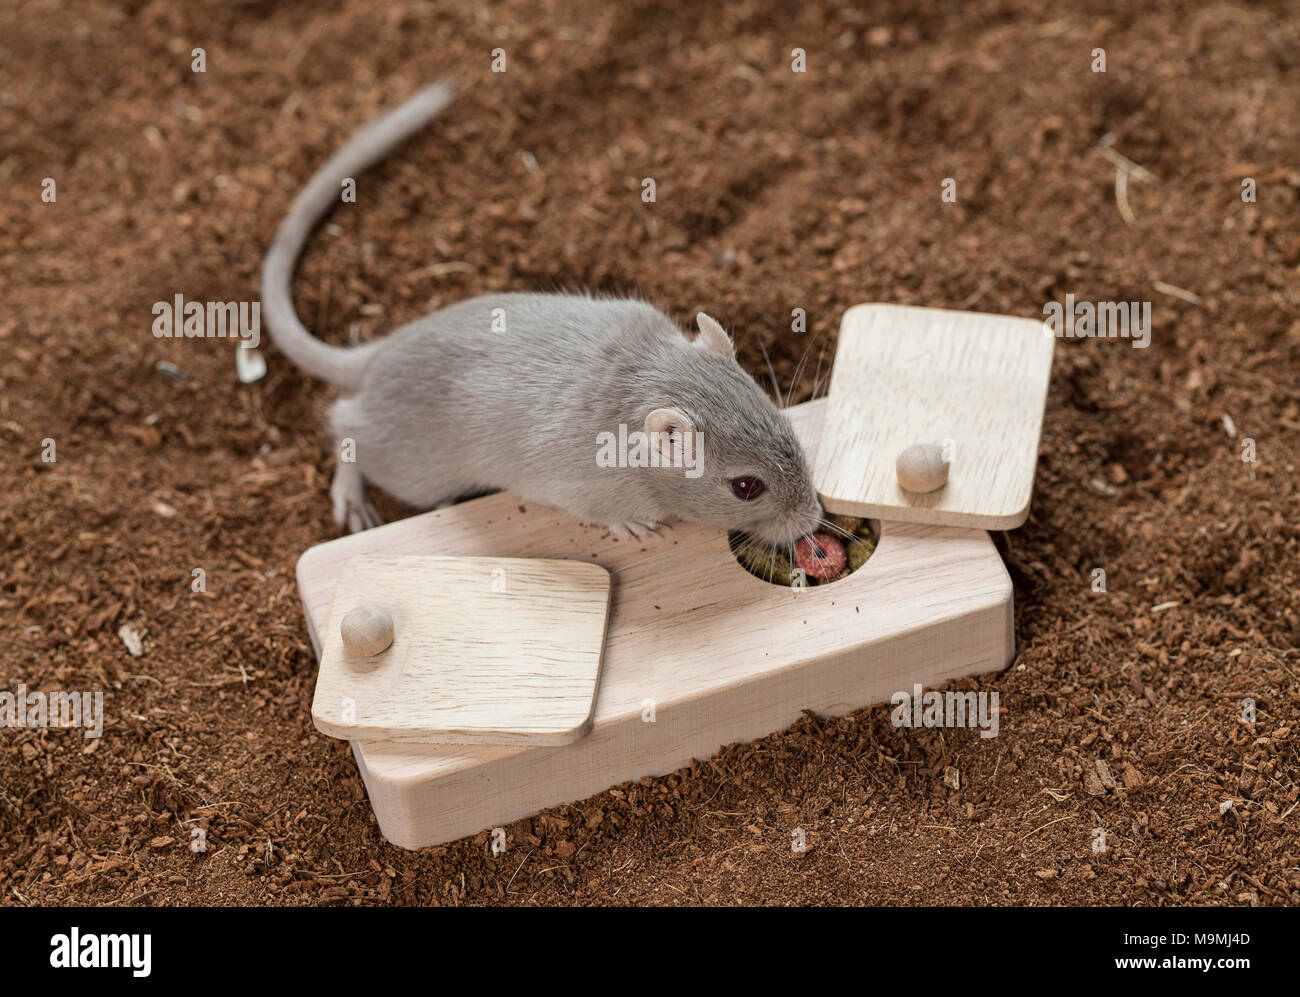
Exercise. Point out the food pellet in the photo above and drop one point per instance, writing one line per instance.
(821, 556)
(770, 565)
(849, 524)
(858, 552)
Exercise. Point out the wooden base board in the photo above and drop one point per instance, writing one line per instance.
(699, 653)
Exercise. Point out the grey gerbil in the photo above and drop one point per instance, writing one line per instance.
(512, 391)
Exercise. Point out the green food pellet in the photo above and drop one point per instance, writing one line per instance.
(767, 564)
(859, 551)
(849, 524)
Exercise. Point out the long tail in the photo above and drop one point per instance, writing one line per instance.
(339, 365)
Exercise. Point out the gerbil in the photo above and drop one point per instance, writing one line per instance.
(511, 391)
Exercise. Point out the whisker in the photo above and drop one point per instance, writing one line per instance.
(794, 380)
(817, 380)
(771, 371)
(663, 553)
(831, 527)
(728, 558)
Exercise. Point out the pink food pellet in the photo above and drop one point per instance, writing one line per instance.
(822, 556)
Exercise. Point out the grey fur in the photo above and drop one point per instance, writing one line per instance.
(446, 406)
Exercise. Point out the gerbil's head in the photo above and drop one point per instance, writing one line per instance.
(745, 469)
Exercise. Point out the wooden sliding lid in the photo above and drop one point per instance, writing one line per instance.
(462, 650)
(971, 384)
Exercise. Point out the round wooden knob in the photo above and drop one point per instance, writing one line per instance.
(921, 468)
(367, 629)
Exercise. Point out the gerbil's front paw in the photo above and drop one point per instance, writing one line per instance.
(363, 517)
(635, 529)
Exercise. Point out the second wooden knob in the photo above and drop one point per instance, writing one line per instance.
(366, 629)
(922, 468)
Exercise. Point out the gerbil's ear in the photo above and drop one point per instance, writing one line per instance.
(676, 434)
(713, 337)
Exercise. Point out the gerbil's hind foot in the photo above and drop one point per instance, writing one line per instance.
(635, 529)
(352, 508)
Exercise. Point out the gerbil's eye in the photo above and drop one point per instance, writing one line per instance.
(746, 488)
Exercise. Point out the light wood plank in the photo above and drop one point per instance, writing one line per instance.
(486, 650)
(907, 375)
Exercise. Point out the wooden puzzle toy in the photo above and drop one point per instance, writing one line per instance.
(473, 715)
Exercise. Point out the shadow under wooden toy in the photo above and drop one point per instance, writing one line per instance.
(697, 652)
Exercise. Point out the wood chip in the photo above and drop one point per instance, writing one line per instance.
(1104, 774)
(132, 638)
(1092, 784)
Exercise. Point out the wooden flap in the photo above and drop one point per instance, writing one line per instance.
(485, 650)
(973, 385)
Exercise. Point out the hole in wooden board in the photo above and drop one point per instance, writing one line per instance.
(856, 540)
